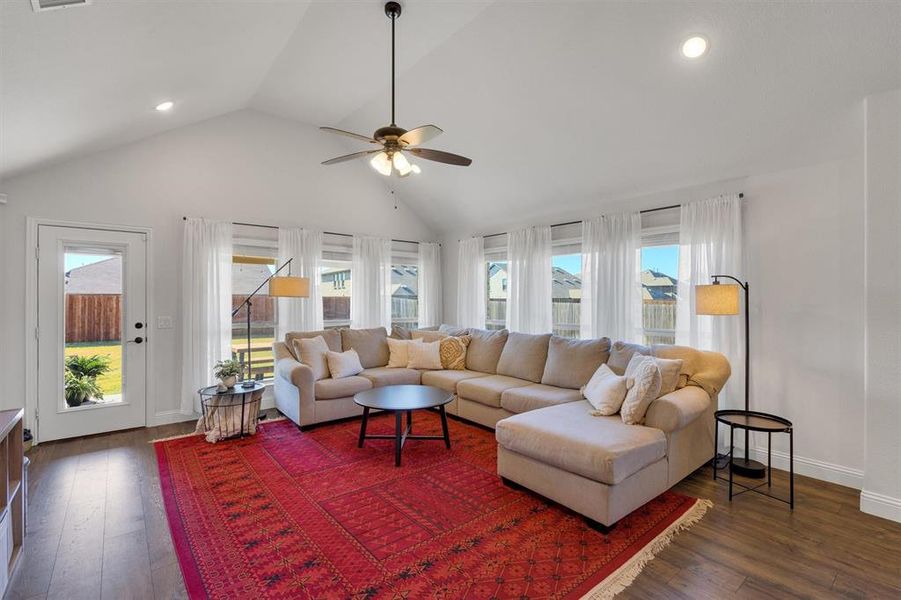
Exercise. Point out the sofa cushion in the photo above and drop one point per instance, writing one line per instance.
(424, 355)
(536, 396)
(398, 353)
(487, 390)
(313, 353)
(621, 354)
(401, 333)
(485, 350)
(453, 330)
(343, 364)
(571, 363)
(524, 356)
(382, 376)
(422, 335)
(645, 373)
(370, 344)
(606, 391)
(332, 338)
(329, 389)
(600, 448)
(448, 380)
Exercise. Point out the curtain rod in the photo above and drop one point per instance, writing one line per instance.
(642, 212)
(350, 235)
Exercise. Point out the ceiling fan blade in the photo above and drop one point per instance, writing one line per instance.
(339, 159)
(439, 156)
(356, 136)
(420, 135)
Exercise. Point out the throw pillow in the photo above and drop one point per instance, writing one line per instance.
(312, 352)
(646, 388)
(425, 355)
(453, 352)
(399, 353)
(428, 336)
(344, 364)
(621, 354)
(453, 330)
(670, 368)
(400, 333)
(606, 391)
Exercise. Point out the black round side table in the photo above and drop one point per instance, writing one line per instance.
(750, 420)
(219, 407)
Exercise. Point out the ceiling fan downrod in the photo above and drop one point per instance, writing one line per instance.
(392, 10)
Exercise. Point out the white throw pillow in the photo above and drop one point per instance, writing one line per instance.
(399, 353)
(670, 369)
(425, 355)
(312, 352)
(606, 391)
(344, 364)
(645, 390)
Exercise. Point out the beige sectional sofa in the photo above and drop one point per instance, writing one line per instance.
(527, 387)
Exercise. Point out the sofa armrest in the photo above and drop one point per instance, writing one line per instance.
(678, 409)
(297, 373)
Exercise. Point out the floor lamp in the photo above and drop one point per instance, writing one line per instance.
(279, 287)
(723, 299)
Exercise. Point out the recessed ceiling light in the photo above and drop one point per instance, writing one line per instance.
(164, 106)
(695, 47)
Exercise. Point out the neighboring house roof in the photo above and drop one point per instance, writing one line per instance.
(103, 277)
(403, 281)
(652, 278)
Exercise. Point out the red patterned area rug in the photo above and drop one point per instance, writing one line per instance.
(286, 514)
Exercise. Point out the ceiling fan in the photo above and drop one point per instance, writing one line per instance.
(395, 142)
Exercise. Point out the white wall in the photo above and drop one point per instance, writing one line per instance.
(245, 166)
(882, 483)
(804, 251)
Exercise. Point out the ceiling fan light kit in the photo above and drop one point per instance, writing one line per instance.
(395, 142)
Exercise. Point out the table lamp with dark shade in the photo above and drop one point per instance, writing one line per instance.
(279, 287)
(722, 299)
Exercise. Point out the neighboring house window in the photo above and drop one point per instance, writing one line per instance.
(566, 294)
(252, 263)
(659, 284)
(404, 295)
(336, 293)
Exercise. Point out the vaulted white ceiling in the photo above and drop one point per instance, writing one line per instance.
(558, 103)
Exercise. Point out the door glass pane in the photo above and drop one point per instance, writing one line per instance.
(659, 277)
(93, 327)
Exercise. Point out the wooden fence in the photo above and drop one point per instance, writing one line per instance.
(93, 318)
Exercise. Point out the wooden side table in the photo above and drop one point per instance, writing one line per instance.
(750, 420)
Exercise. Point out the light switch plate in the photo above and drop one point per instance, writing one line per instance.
(164, 322)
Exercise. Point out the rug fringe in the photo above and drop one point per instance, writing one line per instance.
(193, 433)
(625, 575)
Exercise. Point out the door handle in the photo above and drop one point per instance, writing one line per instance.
(137, 340)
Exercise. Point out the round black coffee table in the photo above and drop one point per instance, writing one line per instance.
(400, 399)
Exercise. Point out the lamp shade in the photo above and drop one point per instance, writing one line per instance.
(717, 299)
(289, 287)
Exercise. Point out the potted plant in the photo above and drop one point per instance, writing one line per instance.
(227, 371)
(93, 366)
(80, 388)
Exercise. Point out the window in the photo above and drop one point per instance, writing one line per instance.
(497, 294)
(659, 286)
(252, 263)
(566, 294)
(404, 295)
(336, 288)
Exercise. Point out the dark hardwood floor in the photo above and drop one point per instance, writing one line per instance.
(97, 529)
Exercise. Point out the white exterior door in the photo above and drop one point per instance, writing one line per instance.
(92, 331)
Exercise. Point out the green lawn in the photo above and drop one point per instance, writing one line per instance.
(111, 382)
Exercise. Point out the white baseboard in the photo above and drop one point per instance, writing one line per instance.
(167, 417)
(811, 467)
(880, 505)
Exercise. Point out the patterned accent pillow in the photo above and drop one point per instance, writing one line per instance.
(453, 352)
(645, 390)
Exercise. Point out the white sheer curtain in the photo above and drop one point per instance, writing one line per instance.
(305, 247)
(429, 284)
(611, 277)
(710, 243)
(529, 288)
(472, 283)
(206, 305)
(370, 303)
